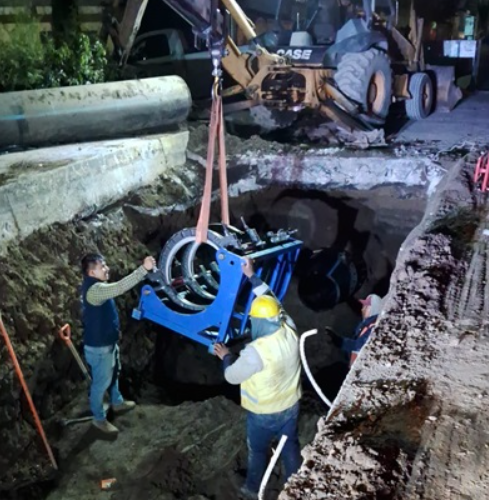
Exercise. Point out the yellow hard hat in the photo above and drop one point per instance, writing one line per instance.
(265, 306)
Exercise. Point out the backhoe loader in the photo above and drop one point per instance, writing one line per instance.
(346, 61)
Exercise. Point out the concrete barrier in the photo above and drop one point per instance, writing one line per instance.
(44, 186)
(90, 112)
(336, 169)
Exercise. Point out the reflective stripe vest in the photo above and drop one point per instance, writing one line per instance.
(276, 387)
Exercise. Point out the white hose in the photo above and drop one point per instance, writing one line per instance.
(306, 366)
(270, 467)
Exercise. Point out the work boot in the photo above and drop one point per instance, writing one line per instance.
(124, 407)
(246, 493)
(106, 427)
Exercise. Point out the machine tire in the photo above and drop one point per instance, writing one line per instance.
(366, 78)
(421, 89)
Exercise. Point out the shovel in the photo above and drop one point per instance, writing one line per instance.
(65, 336)
(64, 422)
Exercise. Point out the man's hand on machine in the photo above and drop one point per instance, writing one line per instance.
(247, 268)
(221, 350)
(149, 263)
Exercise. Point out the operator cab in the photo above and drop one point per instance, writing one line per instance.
(303, 23)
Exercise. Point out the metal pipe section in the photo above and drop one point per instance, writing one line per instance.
(92, 112)
(190, 274)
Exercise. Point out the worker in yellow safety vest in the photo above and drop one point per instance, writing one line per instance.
(268, 370)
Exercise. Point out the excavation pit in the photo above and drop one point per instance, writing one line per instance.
(178, 385)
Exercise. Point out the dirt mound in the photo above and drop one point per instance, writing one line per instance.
(235, 145)
(409, 421)
(39, 281)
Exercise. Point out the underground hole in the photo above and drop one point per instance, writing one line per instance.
(175, 381)
(369, 226)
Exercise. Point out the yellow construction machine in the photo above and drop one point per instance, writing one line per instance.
(346, 61)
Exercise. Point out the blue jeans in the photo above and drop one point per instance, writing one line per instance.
(261, 430)
(105, 365)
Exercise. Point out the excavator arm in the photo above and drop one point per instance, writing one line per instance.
(201, 15)
(206, 19)
(209, 24)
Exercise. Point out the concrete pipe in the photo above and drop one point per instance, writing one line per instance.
(92, 112)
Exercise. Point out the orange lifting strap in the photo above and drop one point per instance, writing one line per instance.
(216, 133)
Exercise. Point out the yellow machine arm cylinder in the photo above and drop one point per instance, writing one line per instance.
(239, 16)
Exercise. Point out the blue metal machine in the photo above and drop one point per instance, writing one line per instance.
(226, 317)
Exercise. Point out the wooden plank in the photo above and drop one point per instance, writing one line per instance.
(89, 28)
(45, 3)
(84, 10)
(44, 27)
(46, 18)
(93, 27)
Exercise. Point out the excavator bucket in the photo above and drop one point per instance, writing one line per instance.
(447, 93)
